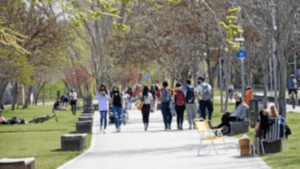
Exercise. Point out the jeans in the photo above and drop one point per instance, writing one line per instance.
(179, 112)
(167, 116)
(117, 111)
(146, 113)
(103, 118)
(206, 104)
(191, 110)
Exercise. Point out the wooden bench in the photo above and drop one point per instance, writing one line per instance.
(84, 126)
(17, 163)
(73, 142)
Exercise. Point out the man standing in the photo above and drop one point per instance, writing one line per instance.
(205, 93)
(190, 103)
(164, 96)
(293, 86)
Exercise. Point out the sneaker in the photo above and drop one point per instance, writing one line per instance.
(169, 127)
(100, 128)
(190, 127)
(104, 131)
(209, 123)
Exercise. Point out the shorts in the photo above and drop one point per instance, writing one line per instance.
(293, 90)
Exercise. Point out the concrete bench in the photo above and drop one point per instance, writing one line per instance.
(86, 114)
(17, 163)
(73, 142)
(84, 126)
(88, 110)
(85, 118)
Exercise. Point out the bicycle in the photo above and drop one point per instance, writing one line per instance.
(293, 99)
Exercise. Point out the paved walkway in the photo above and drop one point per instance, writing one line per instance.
(136, 149)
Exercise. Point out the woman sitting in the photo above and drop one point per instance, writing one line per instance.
(238, 114)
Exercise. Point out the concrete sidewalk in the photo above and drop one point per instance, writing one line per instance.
(136, 149)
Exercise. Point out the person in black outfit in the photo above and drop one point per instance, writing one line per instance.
(179, 105)
(117, 109)
(147, 98)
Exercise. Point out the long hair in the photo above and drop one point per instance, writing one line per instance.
(152, 87)
(115, 87)
(103, 86)
(129, 89)
(145, 91)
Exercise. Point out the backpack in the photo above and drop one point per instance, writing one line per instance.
(292, 84)
(190, 95)
(180, 98)
(206, 95)
(165, 95)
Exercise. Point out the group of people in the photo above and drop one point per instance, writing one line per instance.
(181, 98)
(65, 99)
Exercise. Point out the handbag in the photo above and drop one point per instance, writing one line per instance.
(140, 103)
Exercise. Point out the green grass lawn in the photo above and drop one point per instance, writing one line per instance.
(42, 140)
(291, 159)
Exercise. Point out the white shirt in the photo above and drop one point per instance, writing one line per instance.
(200, 88)
(73, 95)
(147, 100)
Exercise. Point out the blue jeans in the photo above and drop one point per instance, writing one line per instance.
(103, 114)
(165, 109)
(206, 104)
(117, 111)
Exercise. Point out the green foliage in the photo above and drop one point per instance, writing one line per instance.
(232, 30)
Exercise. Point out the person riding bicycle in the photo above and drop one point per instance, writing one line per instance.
(293, 86)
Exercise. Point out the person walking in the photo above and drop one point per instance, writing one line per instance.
(73, 99)
(116, 100)
(147, 98)
(164, 96)
(130, 97)
(179, 98)
(190, 103)
(102, 96)
(205, 93)
(153, 92)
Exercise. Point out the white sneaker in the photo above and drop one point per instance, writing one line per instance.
(104, 131)
(100, 128)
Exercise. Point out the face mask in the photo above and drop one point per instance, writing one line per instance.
(237, 103)
(199, 82)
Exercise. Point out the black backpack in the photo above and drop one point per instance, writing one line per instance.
(190, 95)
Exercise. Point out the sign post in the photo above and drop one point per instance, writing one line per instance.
(242, 55)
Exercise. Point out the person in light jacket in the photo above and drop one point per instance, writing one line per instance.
(103, 97)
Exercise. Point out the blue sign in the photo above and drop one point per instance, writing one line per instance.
(147, 76)
(241, 54)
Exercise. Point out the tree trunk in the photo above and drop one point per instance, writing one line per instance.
(227, 70)
(265, 74)
(282, 83)
(14, 95)
(237, 76)
(3, 85)
(172, 82)
(28, 92)
(39, 89)
(87, 87)
(184, 76)
(80, 94)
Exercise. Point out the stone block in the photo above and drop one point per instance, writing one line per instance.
(84, 126)
(73, 142)
(86, 114)
(85, 118)
(17, 163)
(238, 127)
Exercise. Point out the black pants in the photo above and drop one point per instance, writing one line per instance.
(226, 119)
(73, 104)
(180, 112)
(146, 113)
